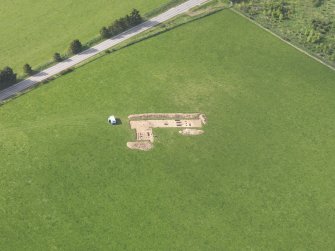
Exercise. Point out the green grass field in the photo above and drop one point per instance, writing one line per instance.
(260, 178)
(32, 31)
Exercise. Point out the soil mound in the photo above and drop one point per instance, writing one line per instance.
(190, 132)
(140, 145)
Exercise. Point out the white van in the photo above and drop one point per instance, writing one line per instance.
(112, 120)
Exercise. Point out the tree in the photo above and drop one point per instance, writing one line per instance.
(318, 3)
(237, 1)
(135, 18)
(322, 26)
(122, 24)
(57, 57)
(7, 76)
(27, 69)
(75, 47)
(278, 9)
(104, 32)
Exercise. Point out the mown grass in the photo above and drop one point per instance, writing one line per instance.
(261, 177)
(32, 31)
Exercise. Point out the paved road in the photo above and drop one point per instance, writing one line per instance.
(56, 69)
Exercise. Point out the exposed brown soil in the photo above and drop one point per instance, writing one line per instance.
(140, 145)
(203, 118)
(190, 132)
(144, 123)
(164, 116)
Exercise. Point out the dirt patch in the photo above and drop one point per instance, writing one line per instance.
(164, 116)
(203, 118)
(140, 145)
(138, 124)
(143, 124)
(190, 132)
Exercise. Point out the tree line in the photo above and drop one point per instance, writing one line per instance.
(8, 76)
(122, 24)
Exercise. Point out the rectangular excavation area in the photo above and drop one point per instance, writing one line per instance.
(143, 124)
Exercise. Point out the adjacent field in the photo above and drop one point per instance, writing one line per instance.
(309, 26)
(261, 177)
(32, 30)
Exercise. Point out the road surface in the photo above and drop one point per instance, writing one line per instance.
(76, 59)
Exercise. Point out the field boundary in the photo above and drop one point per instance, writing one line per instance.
(96, 39)
(162, 8)
(90, 53)
(282, 39)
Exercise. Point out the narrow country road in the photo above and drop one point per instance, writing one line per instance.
(76, 59)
